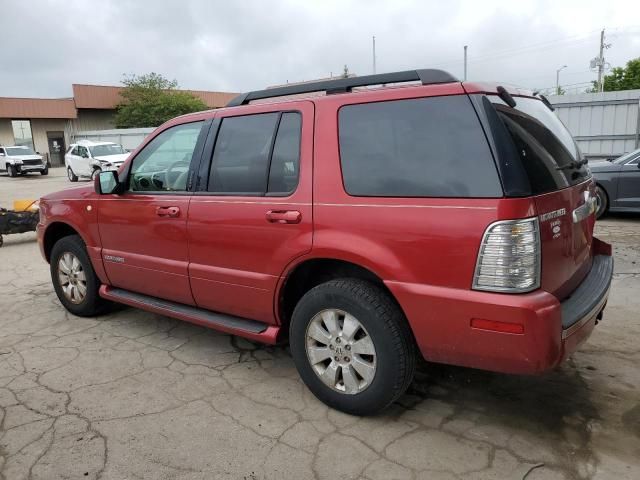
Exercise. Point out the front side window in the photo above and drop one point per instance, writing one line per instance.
(427, 147)
(163, 164)
(22, 133)
(82, 152)
(257, 155)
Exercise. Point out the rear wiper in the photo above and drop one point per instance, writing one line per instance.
(575, 165)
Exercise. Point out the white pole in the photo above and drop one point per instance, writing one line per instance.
(465, 63)
(374, 54)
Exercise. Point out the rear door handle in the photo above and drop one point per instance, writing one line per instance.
(168, 211)
(284, 216)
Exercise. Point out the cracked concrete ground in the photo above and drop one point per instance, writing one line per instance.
(135, 395)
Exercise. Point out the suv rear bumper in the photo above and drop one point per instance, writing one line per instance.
(441, 321)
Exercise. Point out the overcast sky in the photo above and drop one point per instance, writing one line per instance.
(234, 46)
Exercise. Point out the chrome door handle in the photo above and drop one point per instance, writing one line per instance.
(283, 216)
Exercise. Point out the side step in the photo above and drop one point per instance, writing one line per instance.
(242, 327)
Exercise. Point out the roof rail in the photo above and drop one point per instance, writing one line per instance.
(343, 85)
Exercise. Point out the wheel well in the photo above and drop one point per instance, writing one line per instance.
(314, 272)
(606, 193)
(54, 233)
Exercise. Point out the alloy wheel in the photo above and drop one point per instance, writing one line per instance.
(72, 278)
(341, 351)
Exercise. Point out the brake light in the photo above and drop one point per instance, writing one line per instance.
(509, 257)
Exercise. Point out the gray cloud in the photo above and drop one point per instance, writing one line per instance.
(236, 46)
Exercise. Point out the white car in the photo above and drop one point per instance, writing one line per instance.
(87, 159)
(21, 160)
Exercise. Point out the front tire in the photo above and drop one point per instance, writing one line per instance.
(602, 202)
(352, 346)
(12, 170)
(45, 171)
(71, 176)
(74, 279)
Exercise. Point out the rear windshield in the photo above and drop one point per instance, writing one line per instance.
(549, 155)
(426, 147)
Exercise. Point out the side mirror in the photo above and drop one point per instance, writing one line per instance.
(106, 183)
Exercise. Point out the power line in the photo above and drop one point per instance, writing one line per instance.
(515, 51)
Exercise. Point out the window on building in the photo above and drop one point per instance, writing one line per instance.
(22, 133)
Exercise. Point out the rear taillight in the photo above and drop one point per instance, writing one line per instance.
(509, 257)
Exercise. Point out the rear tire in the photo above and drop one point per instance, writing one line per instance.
(71, 176)
(74, 279)
(602, 202)
(12, 170)
(368, 361)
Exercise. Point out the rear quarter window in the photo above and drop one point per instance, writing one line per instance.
(547, 151)
(426, 147)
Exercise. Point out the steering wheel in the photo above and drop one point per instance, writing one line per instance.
(168, 184)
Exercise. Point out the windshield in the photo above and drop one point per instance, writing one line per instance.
(627, 156)
(15, 151)
(106, 150)
(549, 154)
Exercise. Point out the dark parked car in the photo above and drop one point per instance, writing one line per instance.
(617, 183)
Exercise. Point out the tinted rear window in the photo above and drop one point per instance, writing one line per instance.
(547, 151)
(427, 147)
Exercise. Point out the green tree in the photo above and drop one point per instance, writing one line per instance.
(150, 100)
(621, 78)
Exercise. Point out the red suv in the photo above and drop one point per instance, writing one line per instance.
(452, 218)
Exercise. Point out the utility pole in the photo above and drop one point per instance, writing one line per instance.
(374, 54)
(558, 79)
(465, 63)
(601, 62)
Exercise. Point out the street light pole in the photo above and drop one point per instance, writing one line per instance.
(558, 79)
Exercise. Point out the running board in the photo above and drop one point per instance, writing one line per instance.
(242, 327)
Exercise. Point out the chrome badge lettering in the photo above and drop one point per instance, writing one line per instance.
(112, 258)
(553, 214)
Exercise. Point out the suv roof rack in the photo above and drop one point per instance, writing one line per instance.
(344, 85)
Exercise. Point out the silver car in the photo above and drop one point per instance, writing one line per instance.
(617, 183)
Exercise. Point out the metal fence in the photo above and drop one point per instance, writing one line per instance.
(605, 125)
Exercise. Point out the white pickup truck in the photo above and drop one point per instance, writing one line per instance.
(20, 160)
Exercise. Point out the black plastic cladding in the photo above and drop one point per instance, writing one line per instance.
(343, 85)
(515, 182)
